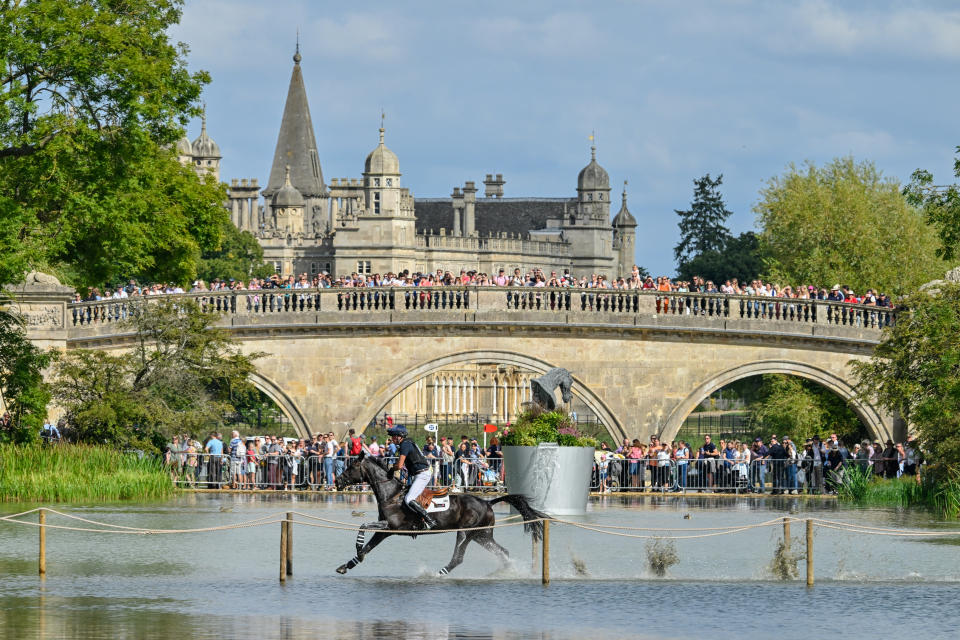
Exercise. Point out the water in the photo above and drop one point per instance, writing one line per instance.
(224, 584)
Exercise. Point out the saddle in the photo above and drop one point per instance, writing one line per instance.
(425, 498)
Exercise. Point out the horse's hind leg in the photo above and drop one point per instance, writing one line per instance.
(377, 538)
(458, 550)
(485, 538)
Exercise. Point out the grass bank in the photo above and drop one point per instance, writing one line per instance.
(941, 495)
(78, 473)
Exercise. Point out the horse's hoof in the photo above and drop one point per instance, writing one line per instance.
(342, 569)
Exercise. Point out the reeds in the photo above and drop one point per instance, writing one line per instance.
(939, 492)
(79, 473)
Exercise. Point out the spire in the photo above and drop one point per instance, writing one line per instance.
(287, 183)
(203, 120)
(296, 144)
(593, 145)
(624, 218)
(296, 56)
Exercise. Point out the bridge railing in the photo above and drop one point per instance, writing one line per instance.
(546, 301)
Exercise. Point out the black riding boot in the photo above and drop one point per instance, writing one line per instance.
(428, 522)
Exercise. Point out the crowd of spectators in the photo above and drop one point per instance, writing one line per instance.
(780, 465)
(277, 463)
(531, 278)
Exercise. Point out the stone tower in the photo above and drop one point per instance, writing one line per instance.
(297, 148)
(206, 152)
(287, 206)
(624, 236)
(587, 228)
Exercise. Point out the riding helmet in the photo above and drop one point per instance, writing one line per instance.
(398, 430)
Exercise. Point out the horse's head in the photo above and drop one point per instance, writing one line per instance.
(566, 382)
(353, 474)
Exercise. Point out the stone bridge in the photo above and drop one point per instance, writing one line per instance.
(641, 361)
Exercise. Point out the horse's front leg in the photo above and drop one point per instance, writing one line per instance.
(377, 538)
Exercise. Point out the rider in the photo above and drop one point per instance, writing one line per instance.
(418, 468)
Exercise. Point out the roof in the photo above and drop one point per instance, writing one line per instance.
(204, 146)
(593, 177)
(382, 160)
(296, 144)
(624, 218)
(494, 215)
(287, 195)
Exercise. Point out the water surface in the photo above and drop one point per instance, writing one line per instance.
(224, 584)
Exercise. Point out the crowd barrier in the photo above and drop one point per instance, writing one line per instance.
(213, 471)
(208, 471)
(733, 476)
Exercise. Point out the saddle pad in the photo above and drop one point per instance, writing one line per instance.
(439, 504)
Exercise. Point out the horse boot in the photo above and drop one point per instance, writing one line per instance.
(428, 522)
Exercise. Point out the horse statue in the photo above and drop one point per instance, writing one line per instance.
(544, 386)
(461, 511)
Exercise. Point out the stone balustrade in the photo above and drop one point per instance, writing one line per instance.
(509, 304)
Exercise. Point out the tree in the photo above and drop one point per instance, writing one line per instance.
(180, 376)
(702, 227)
(941, 204)
(789, 405)
(915, 371)
(22, 388)
(844, 223)
(740, 258)
(92, 96)
(238, 256)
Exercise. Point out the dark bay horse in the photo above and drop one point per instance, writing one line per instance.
(464, 512)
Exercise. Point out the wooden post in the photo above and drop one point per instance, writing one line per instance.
(809, 552)
(283, 551)
(289, 524)
(786, 534)
(545, 564)
(42, 567)
(534, 556)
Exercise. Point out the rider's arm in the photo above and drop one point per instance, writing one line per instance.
(399, 463)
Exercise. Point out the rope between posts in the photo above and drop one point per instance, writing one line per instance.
(419, 532)
(354, 525)
(865, 527)
(924, 534)
(621, 528)
(646, 537)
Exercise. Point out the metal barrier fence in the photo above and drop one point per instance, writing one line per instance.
(722, 475)
(279, 472)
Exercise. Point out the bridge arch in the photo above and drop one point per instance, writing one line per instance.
(875, 422)
(379, 399)
(282, 400)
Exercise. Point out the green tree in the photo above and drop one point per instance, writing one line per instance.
(789, 405)
(915, 371)
(844, 223)
(941, 204)
(92, 95)
(702, 227)
(238, 256)
(739, 258)
(22, 387)
(180, 376)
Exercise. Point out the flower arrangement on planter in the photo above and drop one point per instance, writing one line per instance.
(535, 425)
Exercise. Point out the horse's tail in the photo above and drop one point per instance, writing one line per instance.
(532, 519)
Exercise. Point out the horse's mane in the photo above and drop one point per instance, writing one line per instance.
(377, 461)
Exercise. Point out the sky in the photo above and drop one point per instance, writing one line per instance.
(673, 90)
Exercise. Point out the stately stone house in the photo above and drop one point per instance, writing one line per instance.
(373, 223)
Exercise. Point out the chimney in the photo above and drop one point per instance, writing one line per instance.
(457, 199)
(469, 208)
(493, 186)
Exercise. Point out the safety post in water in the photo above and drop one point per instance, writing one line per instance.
(289, 524)
(283, 550)
(786, 533)
(42, 557)
(809, 552)
(545, 563)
